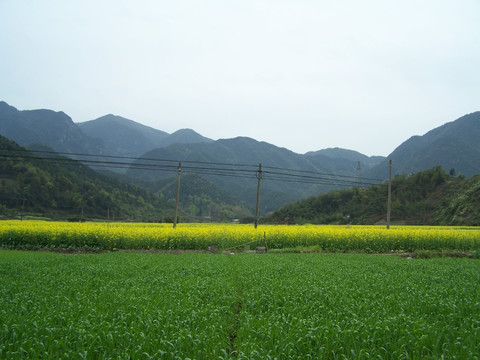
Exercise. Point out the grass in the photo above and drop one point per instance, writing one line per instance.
(203, 306)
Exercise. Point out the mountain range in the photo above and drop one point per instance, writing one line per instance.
(108, 135)
(58, 187)
(47, 127)
(124, 137)
(429, 197)
(287, 175)
(281, 167)
(454, 146)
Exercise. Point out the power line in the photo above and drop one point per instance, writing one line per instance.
(128, 158)
(226, 169)
(322, 173)
(199, 167)
(341, 180)
(247, 171)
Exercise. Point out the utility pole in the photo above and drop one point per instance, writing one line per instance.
(259, 177)
(389, 201)
(359, 173)
(175, 218)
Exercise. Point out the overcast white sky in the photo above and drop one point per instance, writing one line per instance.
(305, 75)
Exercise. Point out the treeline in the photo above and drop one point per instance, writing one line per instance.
(429, 197)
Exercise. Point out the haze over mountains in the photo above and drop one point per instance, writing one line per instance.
(124, 137)
(453, 146)
(107, 135)
(47, 127)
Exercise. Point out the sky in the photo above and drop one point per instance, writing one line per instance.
(301, 74)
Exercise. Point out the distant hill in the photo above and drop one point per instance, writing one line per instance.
(336, 153)
(286, 176)
(47, 127)
(429, 197)
(454, 145)
(201, 200)
(185, 136)
(242, 151)
(124, 137)
(108, 135)
(63, 188)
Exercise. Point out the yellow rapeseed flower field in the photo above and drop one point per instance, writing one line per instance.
(112, 236)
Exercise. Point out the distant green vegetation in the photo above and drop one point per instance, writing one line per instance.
(32, 186)
(429, 197)
(212, 191)
(200, 200)
(64, 188)
(203, 306)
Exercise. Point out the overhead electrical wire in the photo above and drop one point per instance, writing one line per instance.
(322, 173)
(199, 167)
(68, 154)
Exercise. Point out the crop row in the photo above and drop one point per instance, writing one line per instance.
(112, 236)
(200, 306)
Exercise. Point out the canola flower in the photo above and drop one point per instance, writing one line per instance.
(113, 236)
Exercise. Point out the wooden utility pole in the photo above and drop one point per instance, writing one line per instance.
(389, 201)
(175, 218)
(259, 176)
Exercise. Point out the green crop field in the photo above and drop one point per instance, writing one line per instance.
(247, 306)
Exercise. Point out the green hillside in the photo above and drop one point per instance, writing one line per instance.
(453, 145)
(124, 137)
(53, 129)
(61, 188)
(58, 187)
(199, 199)
(429, 197)
(244, 155)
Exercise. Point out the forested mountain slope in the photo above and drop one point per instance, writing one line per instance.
(53, 129)
(124, 137)
(108, 135)
(200, 200)
(63, 188)
(454, 145)
(245, 154)
(430, 197)
(365, 162)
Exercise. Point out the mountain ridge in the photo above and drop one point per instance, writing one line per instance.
(429, 197)
(60, 187)
(453, 145)
(54, 129)
(244, 155)
(125, 137)
(5, 108)
(107, 135)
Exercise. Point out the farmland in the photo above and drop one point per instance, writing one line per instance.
(122, 305)
(116, 236)
(341, 303)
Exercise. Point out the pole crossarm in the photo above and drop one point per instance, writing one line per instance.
(177, 196)
(259, 176)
